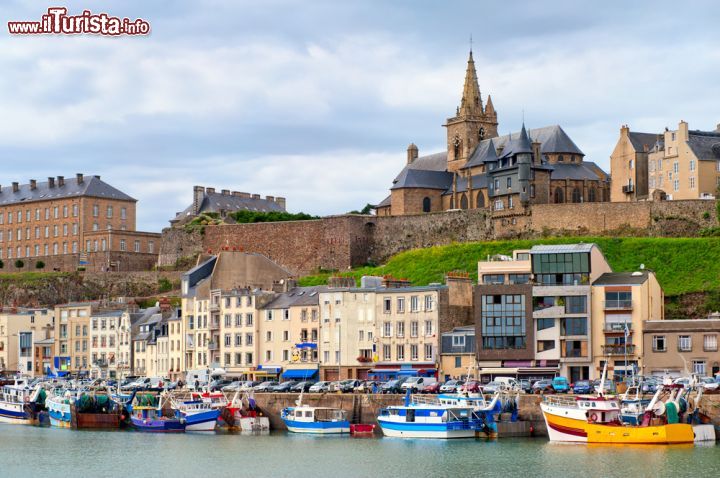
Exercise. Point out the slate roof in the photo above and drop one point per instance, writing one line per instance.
(705, 145)
(521, 144)
(91, 186)
(297, 296)
(553, 139)
(418, 178)
(484, 153)
(216, 202)
(640, 140)
(561, 248)
(385, 202)
(622, 278)
(431, 162)
(478, 181)
(575, 171)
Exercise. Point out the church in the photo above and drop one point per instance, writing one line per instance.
(500, 173)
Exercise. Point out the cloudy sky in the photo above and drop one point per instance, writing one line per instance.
(317, 100)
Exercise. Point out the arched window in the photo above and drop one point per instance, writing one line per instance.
(480, 199)
(452, 203)
(559, 196)
(426, 204)
(592, 195)
(463, 202)
(561, 159)
(576, 196)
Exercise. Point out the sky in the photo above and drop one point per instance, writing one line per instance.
(317, 101)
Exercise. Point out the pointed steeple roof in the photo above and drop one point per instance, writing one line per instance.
(489, 107)
(471, 102)
(519, 145)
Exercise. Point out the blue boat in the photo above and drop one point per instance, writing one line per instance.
(151, 419)
(317, 420)
(17, 403)
(199, 416)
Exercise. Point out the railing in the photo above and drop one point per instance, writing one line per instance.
(560, 401)
(617, 327)
(212, 345)
(618, 349)
(618, 304)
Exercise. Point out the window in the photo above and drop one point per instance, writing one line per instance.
(400, 351)
(692, 182)
(493, 279)
(387, 329)
(137, 246)
(659, 343)
(413, 352)
(532, 190)
(426, 204)
(509, 183)
(630, 164)
(543, 345)
(75, 210)
(458, 362)
(387, 305)
(573, 326)
(122, 245)
(248, 319)
(458, 341)
(151, 247)
(684, 343)
(268, 355)
(400, 305)
(710, 343)
(499, 205)
(386, 352)
(429, 328)
(414, 328)
(676, 167)
(286, 335)
(400, 329)
(249, 340)
(286, 355)
(543, 324)
(503, 321)
(414, 303)
(519, 278)
(699, 367)
(576, 304)
(109, 211)
(228, 340)
(228, 320)
(96, 210)
(510, 202)
(268, 336)
(428, 303)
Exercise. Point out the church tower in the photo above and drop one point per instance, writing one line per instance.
(472, 122)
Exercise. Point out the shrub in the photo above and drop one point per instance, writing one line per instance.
(164, 285)
(706, 215)
(244, 217)
(39, 265)
(19, 264)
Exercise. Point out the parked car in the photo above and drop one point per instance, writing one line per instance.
(249, 385)
(500, 382)
(525, 385)
(473, 386)
(393, 386)
(609, 388)
(583, 387)
(561, 385)
(319, 387)
(347, 386)
(218, 384)
(543, 386)
(432, 388)
(649, 385)
(302, 386)
(415, 384)
(139, 384)
(234, 386)
(171, 385)
(283, 387)
(265, 386)
(367, 386)
(451, 386)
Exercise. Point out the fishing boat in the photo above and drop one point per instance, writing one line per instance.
(431, 417)
(96, 410)
(17, 403)
(199, 416)
(321, 420)
(597, 419)
(59, 408)
(241, 414)
(148, 416)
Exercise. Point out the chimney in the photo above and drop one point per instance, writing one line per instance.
(280, 202)
(624, 130)
(79, 177)
(225, 192)
(51, 182)
(198, 196)
(270, 198)
(412, 153)
(16, 187)
(683, 131)
(244, 195)
(255, 196)
(61, 181)
(33, 184)
(210, 190)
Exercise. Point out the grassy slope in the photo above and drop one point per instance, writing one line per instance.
(682, 265)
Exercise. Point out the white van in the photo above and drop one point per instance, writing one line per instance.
(417, 384)
(504, 382)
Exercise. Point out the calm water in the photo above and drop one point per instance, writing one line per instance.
(32, 451)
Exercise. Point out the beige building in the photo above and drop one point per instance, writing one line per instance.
(19, 330)
(110, 344)
(176, 354)
(288, 335)
(622, 303)
(676, 164)
(72, 337)
(680, 347)
(457, 353)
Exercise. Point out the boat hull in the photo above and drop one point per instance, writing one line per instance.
(15, 414)
(254, 424)
(204, 421)
(423, 430)
(322, 428)
(158, 426)
(567, 428)
(60, 414)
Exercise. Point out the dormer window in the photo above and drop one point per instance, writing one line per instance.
(561, 158)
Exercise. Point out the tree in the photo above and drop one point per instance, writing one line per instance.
(19, 264)
(39, 265)
(366, 210)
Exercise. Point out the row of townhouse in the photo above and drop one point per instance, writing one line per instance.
(560, 310)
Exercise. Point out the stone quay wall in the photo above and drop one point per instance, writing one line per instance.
(342, 242)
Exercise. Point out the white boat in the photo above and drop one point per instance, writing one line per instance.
(322, 420)
(59, 409)
(17, 403)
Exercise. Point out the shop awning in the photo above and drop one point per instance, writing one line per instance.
(269, 369)
(306, 345)
(489, 370)
(301, 373)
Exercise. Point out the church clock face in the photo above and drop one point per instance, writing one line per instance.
(481, 133)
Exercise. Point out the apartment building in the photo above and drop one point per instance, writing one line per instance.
(458, 353)
(288, 335)
(176, 339)
(680, 347)
(72, 337)
(19, 330)
(622, 303)
(66, 223)
(110, 344)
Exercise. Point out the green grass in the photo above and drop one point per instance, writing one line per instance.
(682, 265)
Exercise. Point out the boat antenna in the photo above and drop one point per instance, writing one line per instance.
(601, 392)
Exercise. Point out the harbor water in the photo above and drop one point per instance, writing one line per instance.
(32, 451)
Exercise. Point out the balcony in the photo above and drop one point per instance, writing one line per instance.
(190, 345)
(215, 307)
(618, 305)
(617, 327)
(618, 349)
(549, 312)
(628, 188)
(214, 324)
(213, 345)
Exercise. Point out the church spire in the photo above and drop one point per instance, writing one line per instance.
(489, 107)
(471, 103)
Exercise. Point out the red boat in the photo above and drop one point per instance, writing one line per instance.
(362, 429)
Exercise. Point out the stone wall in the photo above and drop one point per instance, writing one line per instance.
(96, 261)
(341, 242)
